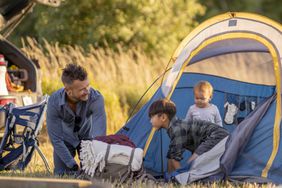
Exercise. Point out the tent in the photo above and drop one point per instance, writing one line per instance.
(240, 55)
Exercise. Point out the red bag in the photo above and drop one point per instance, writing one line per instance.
(116, 139)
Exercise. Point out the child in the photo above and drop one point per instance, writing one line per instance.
(197, 136)
(202, 109)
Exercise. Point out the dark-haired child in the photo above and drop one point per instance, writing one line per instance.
(197, 136)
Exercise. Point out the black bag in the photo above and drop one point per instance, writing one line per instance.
(118, 173)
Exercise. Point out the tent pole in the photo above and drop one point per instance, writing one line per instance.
(162, 161)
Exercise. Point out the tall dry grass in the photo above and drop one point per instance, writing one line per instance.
(120, 76)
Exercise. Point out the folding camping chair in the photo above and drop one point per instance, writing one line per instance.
(22, 127)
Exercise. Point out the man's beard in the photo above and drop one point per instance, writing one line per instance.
(84, 98)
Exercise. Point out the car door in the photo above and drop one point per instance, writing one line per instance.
(13, 11)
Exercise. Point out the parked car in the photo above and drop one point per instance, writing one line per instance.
(23, 73)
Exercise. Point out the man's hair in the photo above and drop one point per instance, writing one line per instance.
(73, 72)
(203, 85)
(163, 106)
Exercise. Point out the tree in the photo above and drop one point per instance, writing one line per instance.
(268, 8)
(157, 26)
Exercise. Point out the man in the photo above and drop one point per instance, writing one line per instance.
(197, 136)
(74, 113)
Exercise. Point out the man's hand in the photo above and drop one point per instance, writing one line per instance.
(75, 168)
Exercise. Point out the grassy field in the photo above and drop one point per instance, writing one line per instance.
(36, 168)
(121, 77)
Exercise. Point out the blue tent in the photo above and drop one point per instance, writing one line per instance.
(240, 55)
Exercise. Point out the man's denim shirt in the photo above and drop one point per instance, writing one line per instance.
(61, 122)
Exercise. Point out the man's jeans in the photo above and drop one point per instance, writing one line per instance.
(60, 167)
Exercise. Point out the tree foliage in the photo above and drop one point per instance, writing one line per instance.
(268, 8)
(156, 26)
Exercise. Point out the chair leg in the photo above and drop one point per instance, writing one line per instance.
(43, 158)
